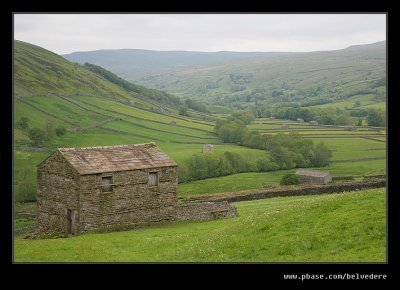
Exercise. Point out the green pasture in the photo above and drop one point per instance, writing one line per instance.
(346, 227)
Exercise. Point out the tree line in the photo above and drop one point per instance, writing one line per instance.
(286, 150)
(325, 116)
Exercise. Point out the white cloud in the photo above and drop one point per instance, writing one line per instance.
(64, 33)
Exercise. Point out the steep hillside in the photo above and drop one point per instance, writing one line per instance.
(133, 64)
(140, 91)
(39, 71)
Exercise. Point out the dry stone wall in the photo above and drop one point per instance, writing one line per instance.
(201, 211)
(289, 191)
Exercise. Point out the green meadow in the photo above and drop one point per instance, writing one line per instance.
(345, 227)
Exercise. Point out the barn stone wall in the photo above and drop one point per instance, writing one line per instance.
(201, 211)
(57, 191)
(132, 200)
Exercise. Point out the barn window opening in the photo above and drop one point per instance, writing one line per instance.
(153, 178)
(107, 184)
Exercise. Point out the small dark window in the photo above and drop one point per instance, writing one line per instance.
(107, 184)
(153, 178)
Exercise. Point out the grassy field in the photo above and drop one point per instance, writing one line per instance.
(252, 180)
(235, 182)
(348, 103)
(353, 148)
(346, 227)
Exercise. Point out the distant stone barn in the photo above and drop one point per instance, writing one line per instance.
(313, 177)
(208, 148)
(81, 189)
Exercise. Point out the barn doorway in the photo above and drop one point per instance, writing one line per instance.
(70, 222)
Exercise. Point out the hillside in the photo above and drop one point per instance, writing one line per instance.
(242, 79)
(346, 227)
(39, 71)
(304, 79)
(94, 119)
(51, 92)
(134, 64)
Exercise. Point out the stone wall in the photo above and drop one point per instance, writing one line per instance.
(132, 201)
(291, 190)
(342, 177)
(57, 191)
(200, 211)
(378, 176)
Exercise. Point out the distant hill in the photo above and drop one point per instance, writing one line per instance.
(304, 79)
(133, 64)
(234, 78)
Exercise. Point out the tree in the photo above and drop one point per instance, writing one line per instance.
(290, 179)
(359, 123)
(37, 136)
(265, 164)
(321, 155)
(23, 123)
(183, 111)
(246, 117)
(376, 118)
(283, 157)
(60, 130)
(342, 120)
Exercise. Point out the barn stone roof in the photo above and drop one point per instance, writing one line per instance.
(91, 160)
(312, 173)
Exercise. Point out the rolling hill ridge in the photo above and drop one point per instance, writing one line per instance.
(279, 79)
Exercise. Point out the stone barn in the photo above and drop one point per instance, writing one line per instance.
(208, 148)
(313, 123)
(173, 123)
(81, 189)
(313, 177)
(299, 120)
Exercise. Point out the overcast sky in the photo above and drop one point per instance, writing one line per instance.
(65, 33)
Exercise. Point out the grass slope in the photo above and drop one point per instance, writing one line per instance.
(333, 76)
(346, 227)
(39, 71)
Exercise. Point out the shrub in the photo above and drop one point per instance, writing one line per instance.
(290, 179)
(321, 155)
(265, 164)
(25, 191)
(23, 123)
(183, 111)
(37, 136)
(60, 130)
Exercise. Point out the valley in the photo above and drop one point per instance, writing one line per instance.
(75, 106)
